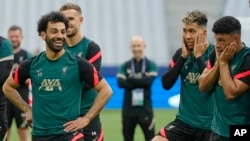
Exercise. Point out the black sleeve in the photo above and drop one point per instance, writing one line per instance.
(94, 55)
(123, 83)
(201, 64)
(144, 82)
(171, 75)
(5, 68)
(212, 58)
(21, 73)
(244, 72)
(88, 72)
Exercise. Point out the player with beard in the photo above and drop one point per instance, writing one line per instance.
(15, 36)
(57, 78)
(82, 46)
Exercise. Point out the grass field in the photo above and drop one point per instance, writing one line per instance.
(111, 120)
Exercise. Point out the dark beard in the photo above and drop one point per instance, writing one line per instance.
(49, 42)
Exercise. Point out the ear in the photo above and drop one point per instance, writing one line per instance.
(81, 19)
(204, 32)
(43, 35)
(236, 38)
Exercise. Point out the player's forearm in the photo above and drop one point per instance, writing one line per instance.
(208, 78)
(102, 98)
(171, 75)
(15, 98)
(227, 81)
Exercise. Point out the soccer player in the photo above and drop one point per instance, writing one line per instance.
(136, 77)
(15, 36)
(228, 76)
(57, 78)
(82, 46)
(6, 62)
(194, 116)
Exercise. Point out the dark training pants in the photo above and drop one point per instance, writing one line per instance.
(129, 124)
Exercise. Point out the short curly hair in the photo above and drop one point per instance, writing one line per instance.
(53, 16)
(195, 16)
(227, 25)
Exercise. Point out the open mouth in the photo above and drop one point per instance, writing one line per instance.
(58, 43)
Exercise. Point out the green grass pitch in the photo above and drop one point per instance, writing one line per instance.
(111, 120)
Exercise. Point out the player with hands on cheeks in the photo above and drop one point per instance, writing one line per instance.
(227, 77)
(194, 116)
(198, 46)
(228, 53)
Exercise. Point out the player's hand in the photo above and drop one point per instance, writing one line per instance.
(228, 53)
(77, 124)
(185, 51)
(29, 118)
(200, 45)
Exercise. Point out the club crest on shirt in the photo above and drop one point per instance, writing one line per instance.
(80, 54)
(21, 58)
(64, 70)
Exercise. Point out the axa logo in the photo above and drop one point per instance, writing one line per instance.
(50, 85)
(192, 77)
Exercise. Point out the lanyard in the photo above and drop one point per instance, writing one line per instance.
(143, 66)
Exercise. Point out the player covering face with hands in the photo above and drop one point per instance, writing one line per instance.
(227, 76)
(193, 119)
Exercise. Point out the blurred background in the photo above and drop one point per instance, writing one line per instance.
(111, 23)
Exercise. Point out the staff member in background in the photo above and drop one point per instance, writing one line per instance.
(136, 76)
(15, 36)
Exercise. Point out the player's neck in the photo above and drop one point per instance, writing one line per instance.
(71, 41)
(240, 46)
(52, 55)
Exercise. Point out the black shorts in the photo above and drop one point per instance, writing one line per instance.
(74, 136)
(94, 132)
(216, 137)
(15, 113)
(180, 131)
(3, 120)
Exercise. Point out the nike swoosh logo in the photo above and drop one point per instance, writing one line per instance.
(95, 138)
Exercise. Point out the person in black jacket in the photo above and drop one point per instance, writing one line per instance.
(136, 77)
(15, 35)
(6, 62)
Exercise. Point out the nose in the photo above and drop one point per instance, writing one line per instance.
(187, 35)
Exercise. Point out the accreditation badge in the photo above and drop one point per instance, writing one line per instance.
(137, 97)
